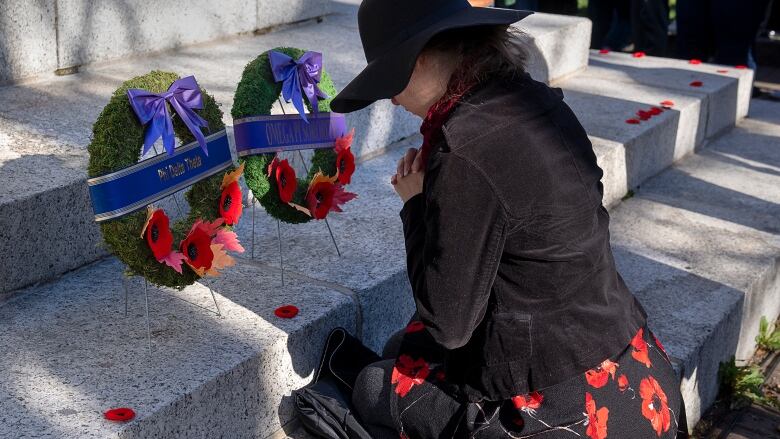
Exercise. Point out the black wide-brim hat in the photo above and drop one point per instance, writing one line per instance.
(393, 33)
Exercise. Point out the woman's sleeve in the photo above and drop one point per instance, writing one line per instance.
(454, 233)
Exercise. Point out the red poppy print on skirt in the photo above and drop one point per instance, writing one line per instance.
(597, 419)
(640, 349)
(599, 376)
(655, 405)
(408, 373)
(622, 383)
(528, 403)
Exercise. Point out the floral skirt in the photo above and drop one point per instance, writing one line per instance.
(633, 395)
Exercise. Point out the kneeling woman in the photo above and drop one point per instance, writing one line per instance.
(523, 328)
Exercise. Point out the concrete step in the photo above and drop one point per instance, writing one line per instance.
(70, 353)
(45, 127)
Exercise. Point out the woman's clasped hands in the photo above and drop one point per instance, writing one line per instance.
(408, 179)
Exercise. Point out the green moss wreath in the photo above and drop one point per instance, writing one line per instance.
(116, 139)
(255, 95)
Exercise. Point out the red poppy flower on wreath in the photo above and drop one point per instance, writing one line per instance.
(599, 376)
(286, 311)
(196, 248)
(121, 414)
(622, 382)
(632, 121)
(639, 54)
(696, 84)
(345, 160)
(230, 203)
(284, 174)
(640, 349)
(597, 419)
(655, 405)
(324, 195)
(415, 326)
(408, 373)
(159, 238)
(528, 403)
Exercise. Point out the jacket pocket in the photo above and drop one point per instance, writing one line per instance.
(509, 338)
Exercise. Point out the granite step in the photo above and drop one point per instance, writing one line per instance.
(45, 127)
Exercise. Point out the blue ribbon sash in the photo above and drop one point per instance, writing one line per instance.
(134, 187)
(274, 133)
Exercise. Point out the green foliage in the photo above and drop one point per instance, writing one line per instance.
(255, 95)
(117, 136)
(740, 384)
(768, 338)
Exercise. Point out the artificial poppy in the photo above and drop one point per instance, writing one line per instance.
(285, 179)
(121, 414)
(640, 349)
(599, 376)
(632, 121)
(597, 419)
(286, 311)
(644, 115)
(622, 382)
(655, 111)
(655, 406)
(345, 160)
(529, 402)
(604, 51)
(415, 326)
(658, 343)
(319, 198)
(407, 373)
(741, 67)
(157, 232)
(667, 104)
(196, 248)
(230, 205)
(694, 61)
(696, 84)
(639, 54)
(722, 71)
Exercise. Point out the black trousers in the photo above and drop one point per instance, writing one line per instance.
(635, 394)
(721, 31)
(618, 22)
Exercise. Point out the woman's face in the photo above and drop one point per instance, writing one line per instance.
(427, 84)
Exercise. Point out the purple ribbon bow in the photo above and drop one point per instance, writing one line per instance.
(301, 75)
(184, 96)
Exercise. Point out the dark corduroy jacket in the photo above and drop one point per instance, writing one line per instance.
(508, 249)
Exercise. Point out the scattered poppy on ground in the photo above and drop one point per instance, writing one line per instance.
(121, 414)
(644, 115)
(599, 376)
(632, 121)
(415, 326)
(722, 71)
(597, 419)
(345, 160)
(604, 51)
(408, 373)
(640, 349)
(741, 67)
(622, 383)
(654, 405)
(694, 61)
(286, 311)
(529, 402)
(638, 54)
(655, 111)
(696, 84)
(230, 205)
(667, 104)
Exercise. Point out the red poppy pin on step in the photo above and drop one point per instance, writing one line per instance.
(655, 111)
(638, 54)
(667, 104)
(741, 67)
(604, 51)
(694, 61)
(286, 311)
(722, 71)
(696, 84)
(632, 121)
(121, 414)
(644, 115)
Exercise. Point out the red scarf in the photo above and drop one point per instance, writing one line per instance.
(439, 112)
